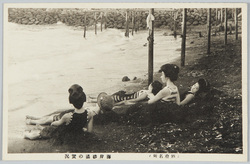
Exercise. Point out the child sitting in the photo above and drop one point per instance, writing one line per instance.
(199, 88)
(71, 122)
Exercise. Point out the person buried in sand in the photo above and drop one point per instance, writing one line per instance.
(69, 122)
(117, 99)
(197, 91)
(128, 99)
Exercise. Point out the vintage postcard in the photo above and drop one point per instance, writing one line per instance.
(125, 81)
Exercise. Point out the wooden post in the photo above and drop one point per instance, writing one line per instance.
(225, 27)
(95, 24)
(105, 20)
(236, 24)
(208, 30)
(230, 28)
(183, 43)
(101, 20)
(85, 24)
(221, 16)
(136, 28)
(151, 50)
(127, 25)
(133, 22)
(216, 19)
(175, 17)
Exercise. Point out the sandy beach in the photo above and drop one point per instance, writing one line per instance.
(40, 70)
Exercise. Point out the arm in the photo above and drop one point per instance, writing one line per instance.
(158, 96)
(90, 125)
(178, 99)
(57, 123)
(143, 96)
(187, 99)
(66, 118)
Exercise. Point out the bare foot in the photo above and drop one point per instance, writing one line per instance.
(31, 117)
(28, 121)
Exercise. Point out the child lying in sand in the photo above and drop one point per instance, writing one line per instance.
(202, 86)
(69, 122)
(108, 102)
(153, 88)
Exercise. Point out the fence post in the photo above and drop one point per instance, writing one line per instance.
(101, 20)
(133, 22)
(221, 16)
(85, 24)
(175, 17)
(183, 43)
(105, 20)
(127, 25)
(225, 26)
(208, 30)
(151, 49)
(95, 24)
(236, 23)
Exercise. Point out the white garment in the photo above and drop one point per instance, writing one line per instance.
(149, 20)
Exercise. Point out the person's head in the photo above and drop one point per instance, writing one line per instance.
(170, 71)
(76, 96)
(156, 87)
(201, 86)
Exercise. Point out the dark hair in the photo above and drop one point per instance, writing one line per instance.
(157, 86)
(204, 85)
(76, 96)
(170, 70)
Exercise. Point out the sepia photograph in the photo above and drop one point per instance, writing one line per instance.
(125, 81)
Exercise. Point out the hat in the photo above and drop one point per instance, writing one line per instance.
(203, 85)
(105, 101)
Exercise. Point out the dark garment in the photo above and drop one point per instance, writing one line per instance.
(183, 96)
(79, 120)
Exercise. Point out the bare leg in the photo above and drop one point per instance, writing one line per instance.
(43, 121)
(32, 117)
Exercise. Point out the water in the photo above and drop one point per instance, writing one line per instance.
(44, 60)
